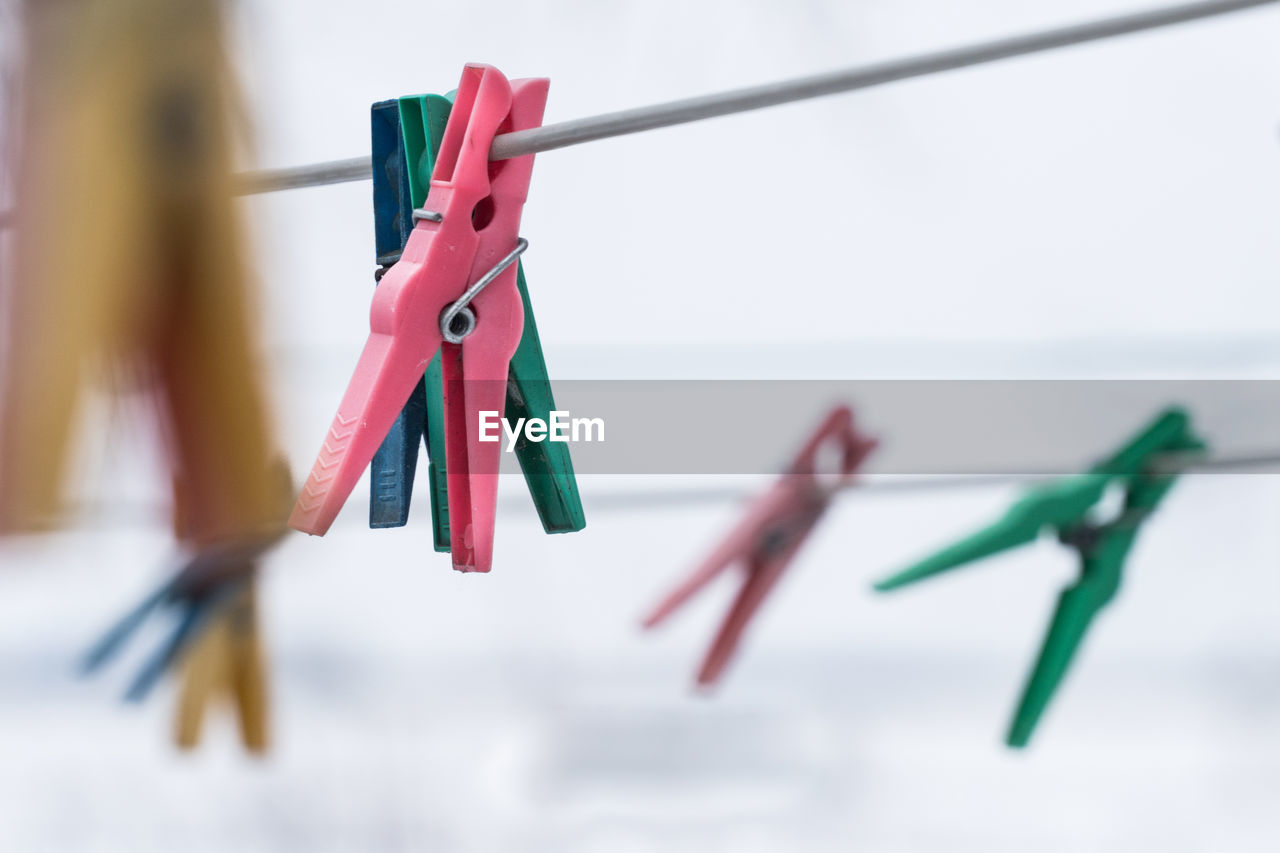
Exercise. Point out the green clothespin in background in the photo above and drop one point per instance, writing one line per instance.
(1143, 469)
(546, 465)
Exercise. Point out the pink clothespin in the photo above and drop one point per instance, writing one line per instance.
(770, 534)
(453, 289)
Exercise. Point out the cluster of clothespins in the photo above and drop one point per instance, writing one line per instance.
(127, 146)
(452, 335)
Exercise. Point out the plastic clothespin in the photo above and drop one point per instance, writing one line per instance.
(395, 464)
(215, 639)
(468, 233)
(227, 660)
(160, 290)
(1067, 506)
(773, 529)
(406, 138)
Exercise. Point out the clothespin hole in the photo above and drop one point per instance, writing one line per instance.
(829, 464)
(482, 213)
(1111, 507)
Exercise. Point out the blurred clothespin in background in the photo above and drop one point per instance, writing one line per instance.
(227, 661)
(453, 291)
(1145, 468)
(215, 643)
(131, 264)
(770, 534)
(406, 135)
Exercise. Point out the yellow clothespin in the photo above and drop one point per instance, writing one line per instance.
(226, 662)
(129, 259)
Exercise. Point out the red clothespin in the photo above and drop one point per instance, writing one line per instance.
(453, 289)
(770, 534)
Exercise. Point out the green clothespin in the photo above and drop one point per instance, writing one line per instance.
(1143, 469)
(547, 466)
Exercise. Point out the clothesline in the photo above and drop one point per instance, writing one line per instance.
(563, 134)
(577, 131)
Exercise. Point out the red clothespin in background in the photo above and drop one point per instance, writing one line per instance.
(770, 534)
(453, 289)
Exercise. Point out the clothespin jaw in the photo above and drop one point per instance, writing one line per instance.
(227, 661)
(1141, 468)
(546, 465)
(770, 534)
(1168, 433)
(837, 429)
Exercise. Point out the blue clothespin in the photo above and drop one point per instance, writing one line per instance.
(396, 462)
(196, 594)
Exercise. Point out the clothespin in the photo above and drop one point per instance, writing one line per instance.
(395, 464)
(215, 640)
(227, 660)
(156, 283)
(1143, 469)
(452, 291)
(406, 139)
(770, 534)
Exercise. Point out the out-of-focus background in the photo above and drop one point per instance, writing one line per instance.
(1107, 211)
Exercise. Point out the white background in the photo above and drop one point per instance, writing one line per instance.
(1104, 211)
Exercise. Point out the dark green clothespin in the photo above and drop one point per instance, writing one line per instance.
(1145, 468)
(547, 466)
